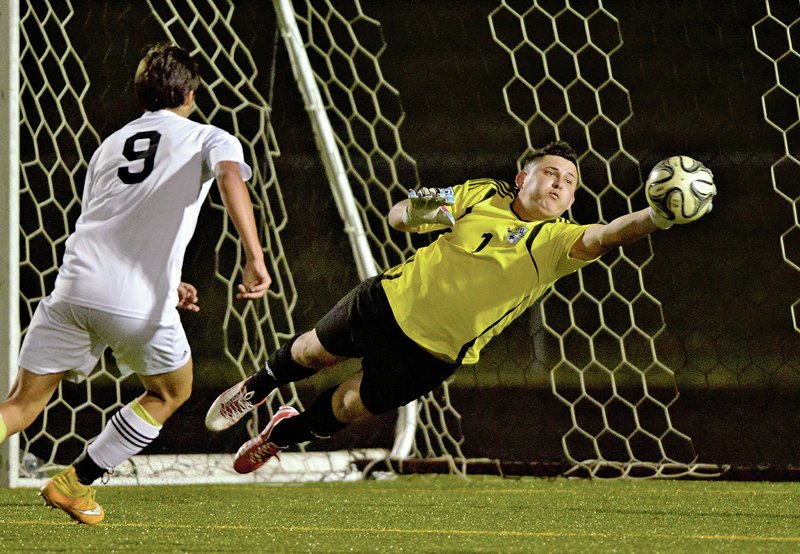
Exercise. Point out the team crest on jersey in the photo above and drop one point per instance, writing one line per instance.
(514, 235)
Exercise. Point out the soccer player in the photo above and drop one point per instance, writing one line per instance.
(413, 325)
(119, 283)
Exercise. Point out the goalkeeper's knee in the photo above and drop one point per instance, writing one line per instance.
(317, 422)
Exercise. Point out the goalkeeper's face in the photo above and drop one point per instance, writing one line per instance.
(546, 188)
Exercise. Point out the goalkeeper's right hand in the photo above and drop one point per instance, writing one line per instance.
(429, 206)
(660, 221)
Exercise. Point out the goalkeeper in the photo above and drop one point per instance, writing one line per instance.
(416, 323)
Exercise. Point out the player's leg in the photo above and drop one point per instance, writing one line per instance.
(330, 412)
(297, 359)
(136, 424)
(167, 392)
(395, 370)
(128, 432)
(160, 355)
(58, 345)
(28, 397)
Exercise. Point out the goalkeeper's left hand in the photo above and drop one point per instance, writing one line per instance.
(429, 206)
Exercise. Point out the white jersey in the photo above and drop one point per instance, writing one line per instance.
(144, 189)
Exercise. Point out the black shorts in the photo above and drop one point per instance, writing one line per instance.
(396, 369)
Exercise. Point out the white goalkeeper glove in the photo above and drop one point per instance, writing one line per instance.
(664, 223)
(660, 221)
(429, 205)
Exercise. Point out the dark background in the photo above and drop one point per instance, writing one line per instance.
(695, 82)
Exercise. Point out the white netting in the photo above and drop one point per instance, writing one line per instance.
(605, 367)
(600, 325)
(594, 334)
(775, 37)
(56, 143)
(58, 138)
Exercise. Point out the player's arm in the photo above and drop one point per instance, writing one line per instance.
(236, 197)
(396, 216)
(601, 238)
(187, 297)
(678, 179)
(425, 206)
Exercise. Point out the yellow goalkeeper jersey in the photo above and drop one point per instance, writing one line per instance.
(452, 296)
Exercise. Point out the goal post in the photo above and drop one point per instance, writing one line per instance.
(318, 93)
(60, 135)
(356, 116)
(340, 185)
(9, 219)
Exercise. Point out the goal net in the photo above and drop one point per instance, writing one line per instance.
(585, 363)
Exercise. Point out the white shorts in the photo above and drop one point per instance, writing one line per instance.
(66, 338)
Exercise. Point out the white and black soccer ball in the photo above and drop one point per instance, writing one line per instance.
(680, 189)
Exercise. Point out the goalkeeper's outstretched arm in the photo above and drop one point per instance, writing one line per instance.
(601, 238)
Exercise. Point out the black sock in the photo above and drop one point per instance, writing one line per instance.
(86, 470)
(317, 422)
(279, 370)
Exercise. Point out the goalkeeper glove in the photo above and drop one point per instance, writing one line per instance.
(660, 221)
(664, 223)
(429, 205)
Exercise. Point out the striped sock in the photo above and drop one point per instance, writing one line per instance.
(125, 435)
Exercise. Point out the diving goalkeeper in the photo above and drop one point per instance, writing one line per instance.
(416, 323)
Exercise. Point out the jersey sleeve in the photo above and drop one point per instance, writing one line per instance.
(221, 146)
(468, 194)
(563, 236)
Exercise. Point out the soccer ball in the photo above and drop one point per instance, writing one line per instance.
(680, 189)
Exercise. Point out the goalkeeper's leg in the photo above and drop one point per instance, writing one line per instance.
(297, 359)
(394, 369)
(288, 426)
(387, 382)
(390, 377)
(331, 411)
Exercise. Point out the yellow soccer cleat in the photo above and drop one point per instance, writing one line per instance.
(65, 492)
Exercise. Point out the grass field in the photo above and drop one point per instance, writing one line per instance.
(420, 514)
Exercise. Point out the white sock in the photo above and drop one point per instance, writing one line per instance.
(125, 435)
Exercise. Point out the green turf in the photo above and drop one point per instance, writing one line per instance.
(420, 514)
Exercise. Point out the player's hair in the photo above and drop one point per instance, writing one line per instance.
(166, 74)
(558, 148)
